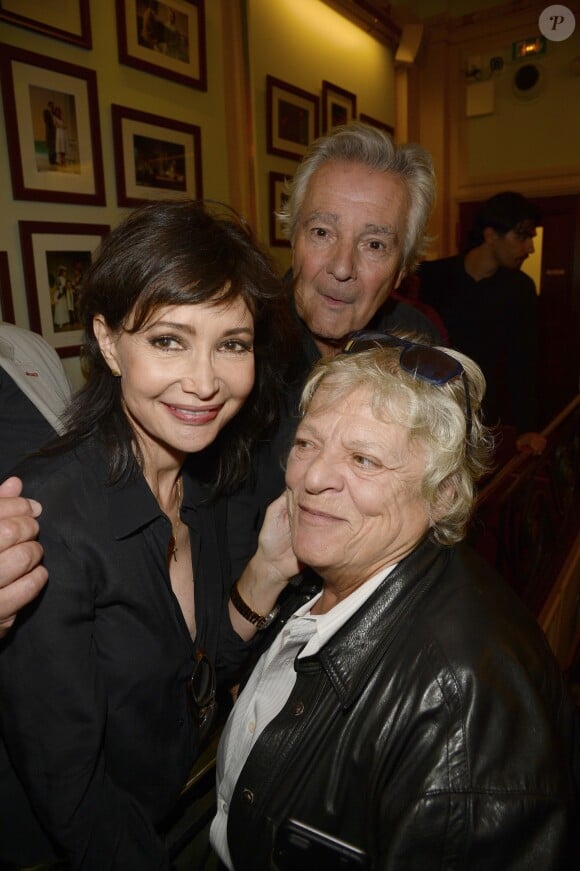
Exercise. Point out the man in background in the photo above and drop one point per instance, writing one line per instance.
(489, 308)
(34, 393)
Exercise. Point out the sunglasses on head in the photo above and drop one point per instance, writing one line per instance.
(421, 361)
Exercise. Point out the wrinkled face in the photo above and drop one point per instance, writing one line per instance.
(184, 375)
(511, 249)
(348, 247)
(354, 495)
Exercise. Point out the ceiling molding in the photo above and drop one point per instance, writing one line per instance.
(372, 16)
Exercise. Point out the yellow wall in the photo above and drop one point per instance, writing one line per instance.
(128, 87)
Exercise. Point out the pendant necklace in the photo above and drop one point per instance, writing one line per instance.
(172, 549)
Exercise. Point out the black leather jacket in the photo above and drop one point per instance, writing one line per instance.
(433, 731)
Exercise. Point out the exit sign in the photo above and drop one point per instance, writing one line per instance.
(528, 47)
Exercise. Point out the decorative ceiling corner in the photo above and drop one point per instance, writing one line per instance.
(373, 16)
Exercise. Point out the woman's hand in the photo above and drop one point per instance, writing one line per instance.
(275, 543)
(269, 570)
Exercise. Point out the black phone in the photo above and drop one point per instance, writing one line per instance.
(298, 845)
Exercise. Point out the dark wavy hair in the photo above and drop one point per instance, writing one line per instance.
(179, 253)
(503, 212)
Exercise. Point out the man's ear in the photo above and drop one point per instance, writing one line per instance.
(107, 343)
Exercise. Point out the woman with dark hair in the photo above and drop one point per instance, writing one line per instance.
(106, 681)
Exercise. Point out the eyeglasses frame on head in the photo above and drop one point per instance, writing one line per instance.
(429, 364)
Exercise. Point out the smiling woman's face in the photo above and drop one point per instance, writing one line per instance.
(354, 489)
(184, 375)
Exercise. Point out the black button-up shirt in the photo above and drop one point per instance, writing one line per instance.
(93, 677)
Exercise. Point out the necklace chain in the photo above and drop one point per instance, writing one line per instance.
(172, 551)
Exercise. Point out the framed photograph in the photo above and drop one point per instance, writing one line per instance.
(338, 106)
(67, 20)
(366, 119)
(56, 257)
(277, 199)
(165, 38)
(155, 158)
(52, 128)
(6, 303)
(291, 119)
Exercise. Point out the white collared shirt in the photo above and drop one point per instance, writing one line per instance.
(267, 691)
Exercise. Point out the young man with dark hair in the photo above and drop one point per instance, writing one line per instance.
(489, 308)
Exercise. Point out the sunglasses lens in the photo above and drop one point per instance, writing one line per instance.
(203, 682)
(430, 364)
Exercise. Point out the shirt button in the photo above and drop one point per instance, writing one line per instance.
(251, 727)
(247, 796)
(298, 709)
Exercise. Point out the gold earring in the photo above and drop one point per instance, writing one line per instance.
(115, 373)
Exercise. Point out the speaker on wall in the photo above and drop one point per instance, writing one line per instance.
(528, 81)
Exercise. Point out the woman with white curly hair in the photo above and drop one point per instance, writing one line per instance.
(406, 712)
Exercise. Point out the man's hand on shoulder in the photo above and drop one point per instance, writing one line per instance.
(21, 576)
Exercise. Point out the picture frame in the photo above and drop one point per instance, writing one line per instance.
(165, 38)
(277, 195)
(291, 119)
(6, 301)
(374, 122)
(55, 257)
(52, 129)
(338, 106)
(67, 20)
(155, 157)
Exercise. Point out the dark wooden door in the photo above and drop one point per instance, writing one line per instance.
(559, 300)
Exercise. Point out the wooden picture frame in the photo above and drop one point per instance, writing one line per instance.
(291, 119)
(55, 258)
(6, 301)
(67, 20)
(277, 196)
(374, 122)
(53, 157)
(338, 106)
(165, 38)
(155, 157)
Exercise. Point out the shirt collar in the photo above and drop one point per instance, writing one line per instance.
(133, 506)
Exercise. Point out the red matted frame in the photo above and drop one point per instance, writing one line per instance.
(6, 301)
(155, 157)
(47, 249)
(30, 82)
(24, 13)
(291, 119)
(179, 52)
(380, 125)
(338, 106)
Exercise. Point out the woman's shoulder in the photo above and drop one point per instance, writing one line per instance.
(58, 480)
